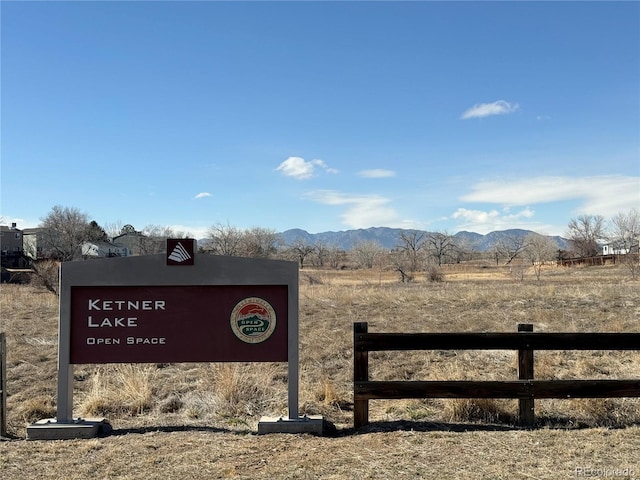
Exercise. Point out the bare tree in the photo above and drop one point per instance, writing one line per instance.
(154, 238)
(400, 264)
(258, 242)
(335, 255)
(223, 240)
(321, 251)
(367, 253)
(440, 246)
(163, 231)
(624, 231)
(540, 249)
(463, 249)
(47, 274)
(511, 247)
(63, 231)
(411, 244)
(113, 229)
(624, 234)
(585, 233)
(300, 249)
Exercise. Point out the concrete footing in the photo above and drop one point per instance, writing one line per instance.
(50, 429)
(313, 424)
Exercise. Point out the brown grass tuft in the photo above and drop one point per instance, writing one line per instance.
(487, 410)
(606, 412)
(117, 389)
(37, 408)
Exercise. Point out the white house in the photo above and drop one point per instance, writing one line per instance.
(104, 249)
(612, 249)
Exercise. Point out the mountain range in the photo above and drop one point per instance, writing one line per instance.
(390, 237)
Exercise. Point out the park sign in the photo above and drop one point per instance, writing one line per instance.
(178, 323)
(178, 306)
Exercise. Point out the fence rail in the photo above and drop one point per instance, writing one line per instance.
(525, 389)
(3, 385)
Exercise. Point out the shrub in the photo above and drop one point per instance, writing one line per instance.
(435, 274)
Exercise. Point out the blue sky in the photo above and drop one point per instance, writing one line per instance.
(325, 116)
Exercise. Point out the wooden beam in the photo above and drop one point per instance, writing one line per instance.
(526, 406)
(360, 374)
(524, 389)
(585, 388)
(441, 389)
(372, 342)
(3, 385)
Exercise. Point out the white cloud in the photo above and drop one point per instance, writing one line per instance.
(192, 231)
(480, 110)
(483, 222)
(202, 195)
(300, 169)
(479, 216)
(362, 211)
(475, 216)
(601, 195)
(21, 223)
(377, 173)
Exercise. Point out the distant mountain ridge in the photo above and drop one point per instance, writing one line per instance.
(390, 237)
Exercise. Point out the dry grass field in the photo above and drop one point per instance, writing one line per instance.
(199, 421)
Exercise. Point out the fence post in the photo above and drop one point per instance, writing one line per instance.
(3, 385)
(525, 372)
(360, 374)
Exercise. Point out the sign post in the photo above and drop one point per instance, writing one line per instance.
(175, 307)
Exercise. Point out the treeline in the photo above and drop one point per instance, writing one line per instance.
(65, 229)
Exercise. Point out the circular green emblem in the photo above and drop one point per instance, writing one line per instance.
(253, 320)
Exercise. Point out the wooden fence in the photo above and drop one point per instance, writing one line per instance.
(3, 385)
(525, 389)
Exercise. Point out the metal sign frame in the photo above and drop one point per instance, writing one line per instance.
(152, 271)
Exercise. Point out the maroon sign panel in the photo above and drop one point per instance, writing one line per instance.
(157, 324)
